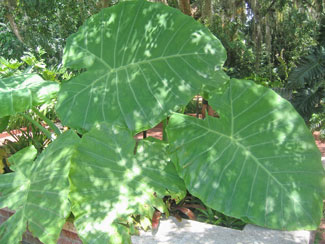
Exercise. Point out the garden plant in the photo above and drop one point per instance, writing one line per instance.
(140, 63)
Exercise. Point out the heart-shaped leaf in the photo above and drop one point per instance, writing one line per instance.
(111, 182)
(257, 162)
(38, 191)
(19, 93)
(142, 60)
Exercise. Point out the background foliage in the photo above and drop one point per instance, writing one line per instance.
(263, 38)
(252, 46)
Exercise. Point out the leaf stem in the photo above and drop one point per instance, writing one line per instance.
(45, 131)
(165, 122)
(48, 121)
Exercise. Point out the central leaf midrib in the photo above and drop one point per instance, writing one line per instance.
(115, 70)
(122, 67)
(235, 142)
(259, 164)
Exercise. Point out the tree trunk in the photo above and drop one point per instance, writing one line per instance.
(258, 48)
(106, 3)
(10, 7)
(257, 32)
(268, 41)
(14, 27)
(207, 12)
(184, 6)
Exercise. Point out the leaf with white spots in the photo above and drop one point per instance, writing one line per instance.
(257, 162)
(38, 191)
(142, 60)
(110, 182)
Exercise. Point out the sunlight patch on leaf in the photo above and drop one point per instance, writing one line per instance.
(118, 189)
(46, 178)
(22, 92)
(259, 153)
(148, 63)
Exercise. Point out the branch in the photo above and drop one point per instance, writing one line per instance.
(269, 8)
(14, 27)
(184, 6)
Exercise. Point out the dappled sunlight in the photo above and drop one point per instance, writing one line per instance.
(259, 153)
(208, 49)
(45, 178)
(197, 37)
(21, 92)
(105, 191)
(141, 60)
(162, 20)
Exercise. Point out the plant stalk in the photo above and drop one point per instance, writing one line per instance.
(165, 122)
(45, 131)
(48, 121)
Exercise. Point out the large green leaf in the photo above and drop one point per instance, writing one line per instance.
(4, 123)
(38, 191)
(257, 162)
(110, 182)
(142, 59)
(19, 93)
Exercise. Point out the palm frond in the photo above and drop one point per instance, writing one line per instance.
(285, 93)
(310, 72)
(308, 101)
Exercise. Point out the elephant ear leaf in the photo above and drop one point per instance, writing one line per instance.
(142, 60)
(110, 183)
(19, 93)
(257, 162)
(38, 191)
